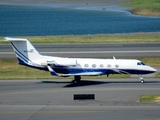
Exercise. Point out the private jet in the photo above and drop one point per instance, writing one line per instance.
(27, 55)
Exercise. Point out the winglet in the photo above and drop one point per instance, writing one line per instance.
(52, 71)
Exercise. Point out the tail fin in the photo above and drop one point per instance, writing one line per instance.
(24, 50)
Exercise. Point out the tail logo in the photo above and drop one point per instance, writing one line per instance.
(29, 51)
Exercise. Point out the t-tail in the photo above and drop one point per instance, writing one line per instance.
(24, 50)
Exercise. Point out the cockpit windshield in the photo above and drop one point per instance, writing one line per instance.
(141, 63)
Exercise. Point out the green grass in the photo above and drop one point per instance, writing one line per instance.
(158, 75)
(145, 7)
(144, 4)
(11, 70)
(103, 38)
(149, 98)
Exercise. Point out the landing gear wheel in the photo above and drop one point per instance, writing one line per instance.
(75, 82)
(141, 78)
(76, 79)
(142, 81)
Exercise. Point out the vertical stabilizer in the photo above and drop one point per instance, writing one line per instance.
(24, 50)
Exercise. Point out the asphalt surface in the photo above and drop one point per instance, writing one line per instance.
(53, 99)
(104, 50)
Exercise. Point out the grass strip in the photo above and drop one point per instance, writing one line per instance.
(103, 38)
(11, 70)
(144, 4)
(145, 7)
(149, 98)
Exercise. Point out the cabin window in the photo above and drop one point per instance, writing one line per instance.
(94, 65)
(116, 66)
(86, 65)
(101, 65)
(109, 65)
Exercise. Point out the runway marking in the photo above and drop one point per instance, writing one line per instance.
(71, 112)
(150, 51)
(79, 90)
(51, 112)
(149, 119)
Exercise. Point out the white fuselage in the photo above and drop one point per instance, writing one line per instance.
(106, 66)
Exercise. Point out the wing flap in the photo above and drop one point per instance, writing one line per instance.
(120, 71)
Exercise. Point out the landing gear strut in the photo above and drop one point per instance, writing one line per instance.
(141, 78)
(76, 79)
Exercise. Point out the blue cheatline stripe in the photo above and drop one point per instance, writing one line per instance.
(20, 57)
(20, 53)
(104, 71)
(21, 62)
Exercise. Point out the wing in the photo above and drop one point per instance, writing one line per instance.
(120, 71)
(74, 74)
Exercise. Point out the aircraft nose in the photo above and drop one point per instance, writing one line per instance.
(153, 70)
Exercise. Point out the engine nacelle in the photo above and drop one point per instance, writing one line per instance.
(61, 62)
(65, 62)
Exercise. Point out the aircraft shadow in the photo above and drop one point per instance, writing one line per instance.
(90, 82)
(85, 83)
(70, 84)
(55, 82)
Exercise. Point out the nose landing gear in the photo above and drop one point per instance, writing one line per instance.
(141, 79)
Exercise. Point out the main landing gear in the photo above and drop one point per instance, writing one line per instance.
(76, 79)
(141, 78)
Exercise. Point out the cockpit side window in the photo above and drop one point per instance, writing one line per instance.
(138, 63)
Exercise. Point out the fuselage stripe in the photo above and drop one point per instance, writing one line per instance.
(20, 57)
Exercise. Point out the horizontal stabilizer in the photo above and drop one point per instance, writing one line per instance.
(14, 39)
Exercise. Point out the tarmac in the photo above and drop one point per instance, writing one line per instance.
(53, 99)
(101, 50)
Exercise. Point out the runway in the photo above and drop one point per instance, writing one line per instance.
(104, 50)
(53, 99)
